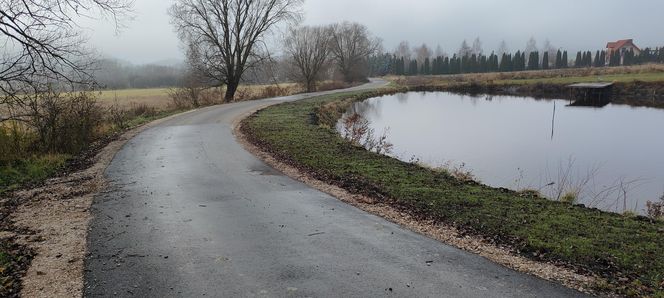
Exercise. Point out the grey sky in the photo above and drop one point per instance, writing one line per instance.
(571, 24)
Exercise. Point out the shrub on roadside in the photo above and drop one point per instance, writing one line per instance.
(655, 210)
(63, 122)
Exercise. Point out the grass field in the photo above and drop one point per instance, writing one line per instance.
(159, 99)
(627, 251)
(155, 98)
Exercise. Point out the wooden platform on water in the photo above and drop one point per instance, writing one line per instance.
(591, 94)
(601, 85)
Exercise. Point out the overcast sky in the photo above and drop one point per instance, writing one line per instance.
(570, 24)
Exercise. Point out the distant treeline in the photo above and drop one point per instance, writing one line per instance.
(393, 64)
(116, 74)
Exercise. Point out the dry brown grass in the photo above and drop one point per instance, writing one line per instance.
(158, 98)
(648, 72)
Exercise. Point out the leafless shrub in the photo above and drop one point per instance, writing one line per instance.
(328, 114)
(333, 85)
(273, 91)
(655, 210)
(118, 116)
(143, 110)
(13, 141)
(185, 97)
(242, 94)
(571, 187)
(63, 122)
(457, 170)
(357, 130)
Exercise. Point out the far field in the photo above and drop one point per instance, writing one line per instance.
(159, 98)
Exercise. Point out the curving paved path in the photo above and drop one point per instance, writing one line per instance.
(190, 213)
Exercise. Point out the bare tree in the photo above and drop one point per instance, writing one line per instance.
(41, 45)
(422, 53)
(440, 52)
(531, 46)
(403, 50)
(552, 50)
(307, 49)
(230, 34)
(464, 49)
(477, 47)
(503, 49)
(351, 45)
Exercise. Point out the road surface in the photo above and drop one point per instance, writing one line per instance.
(190, 213)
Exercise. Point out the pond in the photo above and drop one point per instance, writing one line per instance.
(611, 158)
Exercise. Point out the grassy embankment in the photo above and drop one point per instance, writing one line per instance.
(628, 252)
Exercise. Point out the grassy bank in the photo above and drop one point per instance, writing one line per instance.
(627, 251)
(30, 170)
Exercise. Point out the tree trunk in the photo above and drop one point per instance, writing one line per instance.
(231, 88)
(311, 86)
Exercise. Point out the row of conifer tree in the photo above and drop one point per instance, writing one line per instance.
(390, 64)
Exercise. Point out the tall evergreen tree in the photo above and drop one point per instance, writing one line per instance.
(559, 59)
(413, 68)
(565, 60)
(578, 62)
(533, 61)
(614, 59)
(628, 58)
(522, 61)
(545, 60)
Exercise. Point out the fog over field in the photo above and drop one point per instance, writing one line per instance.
(570, 24)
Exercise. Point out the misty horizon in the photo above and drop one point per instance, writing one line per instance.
(566, 24)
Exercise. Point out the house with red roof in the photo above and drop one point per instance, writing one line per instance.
(623, 46)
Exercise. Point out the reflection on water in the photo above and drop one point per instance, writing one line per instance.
(613, 156)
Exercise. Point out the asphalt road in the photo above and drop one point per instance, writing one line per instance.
(190, 213)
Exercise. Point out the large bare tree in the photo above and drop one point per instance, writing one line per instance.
(351, 45)
(307, 49)
(230, 34)
(41, 44)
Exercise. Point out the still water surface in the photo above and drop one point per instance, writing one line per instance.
(614, 155)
